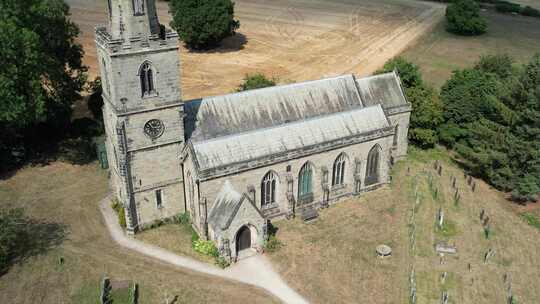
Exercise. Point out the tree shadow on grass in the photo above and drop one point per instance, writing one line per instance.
(35, 238)
(230, 44)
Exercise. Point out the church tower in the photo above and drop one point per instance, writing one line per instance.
(143, 111)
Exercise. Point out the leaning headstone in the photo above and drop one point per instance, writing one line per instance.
(489, 254)
(486, 221)
(444, 298)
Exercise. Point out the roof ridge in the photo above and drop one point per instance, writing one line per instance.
(281, 86)
(296, 122)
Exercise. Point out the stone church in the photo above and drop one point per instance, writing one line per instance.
(236, 161)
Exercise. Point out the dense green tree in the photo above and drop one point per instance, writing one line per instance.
(409, 73)
(492, 119)
(203, 24)
(463, 18)
(41, 74)
(501, 65)
(256, 81)
(427, 108)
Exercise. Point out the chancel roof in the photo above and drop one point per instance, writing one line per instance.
(383, 89)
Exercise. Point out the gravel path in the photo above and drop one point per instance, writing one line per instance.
(255, 270)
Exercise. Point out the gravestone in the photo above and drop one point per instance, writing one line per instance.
(443, 248)
(489, 254)
(440, 218)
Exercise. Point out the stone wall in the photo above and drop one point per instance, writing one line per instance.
(252, 178)
(401, 120)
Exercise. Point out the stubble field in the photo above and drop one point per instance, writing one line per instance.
(293, 40)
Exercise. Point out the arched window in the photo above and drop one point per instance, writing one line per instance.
(305, 181)
(147, 79)
(338, 173)
(268, 189)
(138, 7)
(372, 169)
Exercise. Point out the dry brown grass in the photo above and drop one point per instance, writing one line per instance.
(439, 53)
(333, 261)
(293, 40)
(69, 194)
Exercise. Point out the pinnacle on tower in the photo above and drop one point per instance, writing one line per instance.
(133, 19)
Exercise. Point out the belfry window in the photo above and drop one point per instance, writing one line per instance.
(268, 189)
(146, 75)
(373, 162)
(138, 7)
(338, 172)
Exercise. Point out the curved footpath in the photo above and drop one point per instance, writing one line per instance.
(255, 270)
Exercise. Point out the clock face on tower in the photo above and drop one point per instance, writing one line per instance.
(154, 128)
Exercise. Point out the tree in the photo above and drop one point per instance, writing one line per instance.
(427, 108)
(500, 65)
(408, 72)
(463, 18)
(41, 73)
(203, 24)
(492, 119)
(256, 81)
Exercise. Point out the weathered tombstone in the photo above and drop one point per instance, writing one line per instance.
(444, 298)
(486, 221)
(105, 297)
(440, 218)
(487, 231)
(489, 254)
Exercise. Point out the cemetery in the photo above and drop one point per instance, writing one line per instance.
(452, 240)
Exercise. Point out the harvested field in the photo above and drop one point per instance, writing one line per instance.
(333, 259)
(293, 40)
(439, 53)
(68, 195)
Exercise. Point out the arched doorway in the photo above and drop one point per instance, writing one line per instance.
(243, 239)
